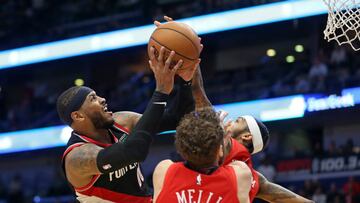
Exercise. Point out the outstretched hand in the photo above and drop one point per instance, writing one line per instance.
(167, 18)
(164, 76)
(188, 73)
(226, 123)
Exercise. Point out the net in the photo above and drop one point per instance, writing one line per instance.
(343, 23)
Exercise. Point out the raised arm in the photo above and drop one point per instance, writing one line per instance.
(272, 192)
(198, 91)
(85, 161)
(184, 101)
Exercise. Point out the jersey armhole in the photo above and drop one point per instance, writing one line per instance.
(121, 128)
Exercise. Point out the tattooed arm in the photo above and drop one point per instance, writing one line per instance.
(198, 90)
(80, 164)
(272, 192)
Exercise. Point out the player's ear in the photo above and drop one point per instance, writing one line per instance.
(77, 116)
(246, 136)
(221, 151)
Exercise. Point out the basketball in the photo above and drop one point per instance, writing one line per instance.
(178, 37)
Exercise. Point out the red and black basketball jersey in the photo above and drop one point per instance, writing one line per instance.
(184, 185)
(121, 184)
(240, 153)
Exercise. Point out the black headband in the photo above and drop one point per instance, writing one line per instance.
(75, 103)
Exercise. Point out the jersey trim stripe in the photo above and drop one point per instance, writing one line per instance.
(89, 185)
(71, 147)
(116, 197)
(122, 128)
(87, 139)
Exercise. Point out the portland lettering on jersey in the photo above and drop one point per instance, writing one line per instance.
(197, 196)
(122, 171)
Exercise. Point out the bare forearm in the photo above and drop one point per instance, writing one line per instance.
(272, 192)
(198, 90)
(279, 194)
(201, 100)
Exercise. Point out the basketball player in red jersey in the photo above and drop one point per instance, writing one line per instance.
(200, 178)
(244, 131)
(240, 148)
(238, 145)
(102, 158)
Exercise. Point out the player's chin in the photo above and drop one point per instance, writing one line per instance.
(109, 116)
(109, 121)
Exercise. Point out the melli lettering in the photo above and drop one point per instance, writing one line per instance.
(197, 196)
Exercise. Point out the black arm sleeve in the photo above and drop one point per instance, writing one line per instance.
(136, 146)
(181, 102)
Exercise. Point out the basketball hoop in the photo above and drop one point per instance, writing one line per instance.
(343, 23)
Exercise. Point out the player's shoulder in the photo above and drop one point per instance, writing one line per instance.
(82, 152)
(241, 169)
(163, 166)
(160, 173)
(127, 119)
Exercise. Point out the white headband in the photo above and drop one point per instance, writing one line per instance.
(255, 132)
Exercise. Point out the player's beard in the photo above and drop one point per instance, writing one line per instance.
(249, 145)
(100, 122)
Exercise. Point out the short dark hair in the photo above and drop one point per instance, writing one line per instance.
(264, 133)
(71, 100)
(199, 136)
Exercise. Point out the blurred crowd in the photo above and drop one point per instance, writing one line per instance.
(344, 191)
(26, 22)
(325, 190)
(348, 192)
(326, 73)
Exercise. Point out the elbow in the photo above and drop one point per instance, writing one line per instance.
(140, 154)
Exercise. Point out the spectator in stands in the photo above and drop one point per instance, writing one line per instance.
(302, 84)
(352, 191)
(339, 79)
(319, 196)
(267, 169)
(317, 74)
(348, 148)
(333, 194)
(318, 150)
(333, 150)
(308, 188)
(338, 56)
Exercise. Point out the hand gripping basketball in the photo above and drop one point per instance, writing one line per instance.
(183, 40)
